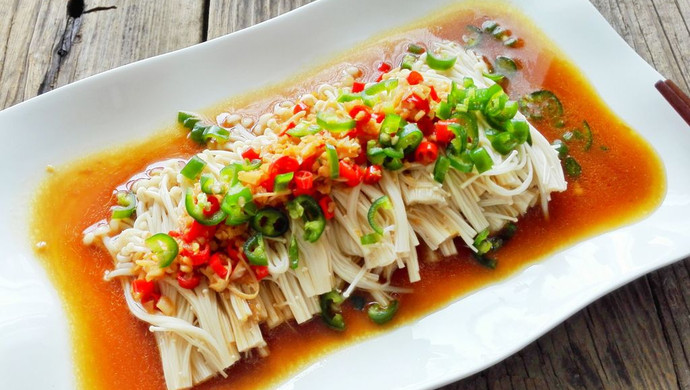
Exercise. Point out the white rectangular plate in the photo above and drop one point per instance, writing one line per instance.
(468, 335)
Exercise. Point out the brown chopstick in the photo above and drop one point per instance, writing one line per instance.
(675, 97)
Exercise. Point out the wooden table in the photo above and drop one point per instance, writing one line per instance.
(637, 337)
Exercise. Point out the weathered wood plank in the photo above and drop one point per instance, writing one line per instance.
(132, 31)
(226, 16)
(28, 32)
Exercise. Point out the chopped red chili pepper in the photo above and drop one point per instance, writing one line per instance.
(188, 280)
(373, 174)
(426, 125)
(290, 125)
(426, 153)
(327, 206)
(197, 230)
(443, 134)
(199, 257)
(360, 114)
(304, 181)
(214, 206)
(357, 87)
(146, 290)
(384, 67)
(415, 78)
(299, 107)
(251, 154)
(219, 263)
(308, 162)
(353, 174)
(418, 102)
(433, 95)
(361, 158)
(234, 255)
(284, 164)
(379, 117)
(260, 271)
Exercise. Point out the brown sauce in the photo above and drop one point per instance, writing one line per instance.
(622, 181)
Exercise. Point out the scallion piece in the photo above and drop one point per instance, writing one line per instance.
(438, 63)
(380, 203)
(332, 157)
(588, 135)
(193, 168)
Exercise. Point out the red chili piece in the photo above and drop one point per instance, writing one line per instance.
(426, 153)
(433, 95)
(357, 87)
(214, 205)
(188, 280)
(384, 67)
(415, 78)
(197, 230)
(373, 174)
(260, 271)
(218, 264)
(327, 206)
(147, 290)
(361, 112)
(418, 102)
(352, 174)
(251, 154)
(299, 107)
(443, 134)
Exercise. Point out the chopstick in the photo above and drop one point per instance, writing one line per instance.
(675, 97)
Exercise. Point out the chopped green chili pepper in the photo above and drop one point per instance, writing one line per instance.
(382, 202)
(443, 110)
(193, 168)
(126, 205)
(499, 32)
(238, 204)
(461, 161)
(281, 182)
(541, 104)
(293, 252)
(409, 138)
(303, 128)
(473, 38)
(482, 160)
(196, 209)
(375, 154)
(438, 63)
(505, 65)
(255, 250)
(561, 148)
(415, 49)
(407, 61)
(481, 242)
(164, 247)
(572, 167)
(391, 123)
(380, 314)
(588, 135)
(511, 42)
(469, 123)
(270, 222)
(393, 163)
(334, 122)
(441, 168)
(184, 116)
(504, 143)
(393, 153)
(348, 97)
(371, 238)
(519, 130)
(305, 207)
(488, 262)
(209, 184)
(332, 157)
(196, 134)
(383, 86)
(330, 309)
(495, 77)
(489, 26)
(216, 132)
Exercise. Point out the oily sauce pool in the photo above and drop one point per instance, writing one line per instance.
(621, 181)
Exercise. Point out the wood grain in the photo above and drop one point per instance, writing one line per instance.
(637, 337)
